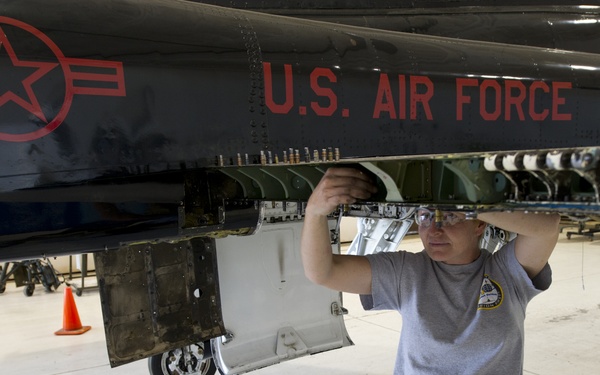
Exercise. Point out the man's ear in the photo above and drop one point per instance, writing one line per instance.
(480, 228)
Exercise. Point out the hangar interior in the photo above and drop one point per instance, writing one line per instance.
(562, 334)
(148, 135)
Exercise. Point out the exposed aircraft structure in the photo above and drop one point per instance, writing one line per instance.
(163, 135)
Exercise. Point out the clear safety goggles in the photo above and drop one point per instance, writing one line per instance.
(424, 217)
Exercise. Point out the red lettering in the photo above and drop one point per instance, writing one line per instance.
(483, 89)
(289, 89)
(322, 91)
(557, 100)
(422, 98)
(516, 101)
(514, 95)
(402, 96)
(384, 92)
(461, 99)
(537, 85)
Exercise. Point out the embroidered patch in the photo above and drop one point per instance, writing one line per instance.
(491, 295)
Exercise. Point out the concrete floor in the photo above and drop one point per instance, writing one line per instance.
(562, 329)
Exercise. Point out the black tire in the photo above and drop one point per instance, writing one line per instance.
(28, 291)
(173, 362)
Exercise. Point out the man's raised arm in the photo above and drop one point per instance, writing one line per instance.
(347, 273)
(537, 236)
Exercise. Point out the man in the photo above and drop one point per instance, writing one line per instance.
(463, 309)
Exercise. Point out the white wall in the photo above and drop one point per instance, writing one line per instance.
(348, 229)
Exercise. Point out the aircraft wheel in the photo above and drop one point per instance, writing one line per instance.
(182, 361)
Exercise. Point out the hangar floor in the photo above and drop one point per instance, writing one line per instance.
(562, 329)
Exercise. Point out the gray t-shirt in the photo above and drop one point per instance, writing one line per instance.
(456, 319)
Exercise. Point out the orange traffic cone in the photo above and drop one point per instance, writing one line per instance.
(71, 323)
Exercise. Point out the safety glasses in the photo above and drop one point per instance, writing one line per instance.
(424, 217)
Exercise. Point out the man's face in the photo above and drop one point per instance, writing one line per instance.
(456, 241)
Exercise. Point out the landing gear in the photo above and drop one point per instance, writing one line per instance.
(189, 360)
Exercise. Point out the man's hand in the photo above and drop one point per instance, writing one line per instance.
(347, 273)
(339, 186)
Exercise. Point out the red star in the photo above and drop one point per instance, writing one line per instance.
(41, 69)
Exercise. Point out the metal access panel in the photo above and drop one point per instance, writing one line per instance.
(157, 297)
(272, 312)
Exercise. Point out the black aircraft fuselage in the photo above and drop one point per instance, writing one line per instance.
(107, 106)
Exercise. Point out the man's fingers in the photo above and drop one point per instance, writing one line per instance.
(340, 186)
(355, 191)
(358, 181)
(348, 172)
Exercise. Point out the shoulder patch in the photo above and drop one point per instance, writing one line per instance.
(491, 295)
